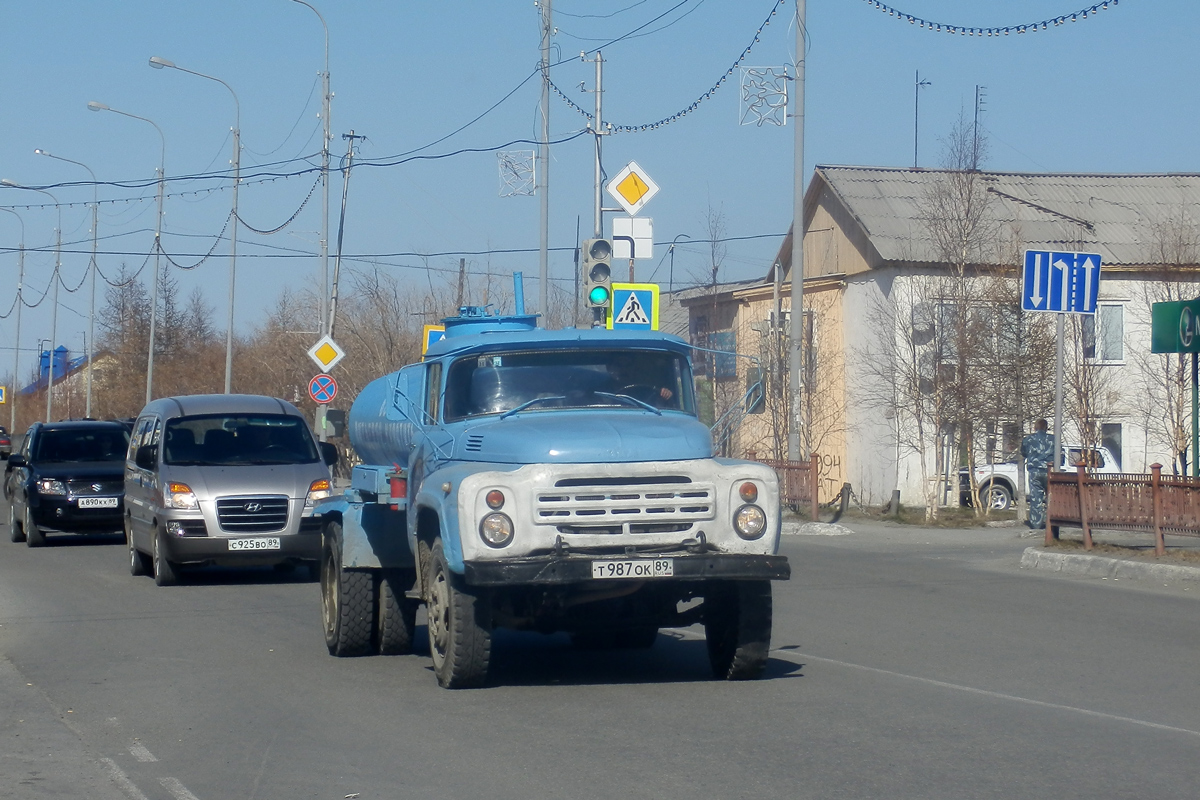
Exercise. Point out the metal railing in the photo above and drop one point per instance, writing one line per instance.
(1153, 503)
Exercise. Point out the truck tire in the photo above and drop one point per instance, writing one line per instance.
(165, 572)
(33, 534)
(737, 628)
(460, 626)
(15, 532)
(397, 614)
(347, 600)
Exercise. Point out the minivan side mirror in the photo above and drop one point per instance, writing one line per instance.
(146, 455)
(329, 453)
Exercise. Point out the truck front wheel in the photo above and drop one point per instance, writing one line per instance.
(460, 626)
(737, 628)
(347, 600)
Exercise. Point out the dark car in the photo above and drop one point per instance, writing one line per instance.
(5, 443)
(68, 477)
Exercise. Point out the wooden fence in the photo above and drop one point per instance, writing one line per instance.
(1154, 503)
(797, 482)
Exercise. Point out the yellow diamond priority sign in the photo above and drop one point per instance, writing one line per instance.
(326, 353)
(632, 188)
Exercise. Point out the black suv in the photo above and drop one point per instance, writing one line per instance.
(68, 477)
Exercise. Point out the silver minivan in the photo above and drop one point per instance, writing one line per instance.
(223, 479)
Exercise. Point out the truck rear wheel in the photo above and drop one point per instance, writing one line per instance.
(737, 628)
(347, 600)
(397, 615)
(460, 626)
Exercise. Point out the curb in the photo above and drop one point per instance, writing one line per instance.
(1101, 567)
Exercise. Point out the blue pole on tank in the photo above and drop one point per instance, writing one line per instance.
(518, 293)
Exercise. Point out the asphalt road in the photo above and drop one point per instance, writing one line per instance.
(907, 664)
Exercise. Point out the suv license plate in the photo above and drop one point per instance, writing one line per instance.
(97, 502)
(271, 543)
(641, 568)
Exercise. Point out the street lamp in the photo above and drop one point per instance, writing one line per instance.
(162, 160)
(92, 268)
(671, 250)
(12, 423)
(56, 279)
(160, 63)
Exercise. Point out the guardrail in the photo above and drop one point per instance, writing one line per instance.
(798, 482)
(1154, 503)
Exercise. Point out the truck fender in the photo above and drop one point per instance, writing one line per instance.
(433, 498)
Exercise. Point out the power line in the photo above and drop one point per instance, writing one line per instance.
(963, 30)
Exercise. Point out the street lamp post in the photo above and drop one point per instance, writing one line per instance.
(671, 250)
(91, 334)
(160, 63)
(55, 279)
(12, 410)
(162, 161)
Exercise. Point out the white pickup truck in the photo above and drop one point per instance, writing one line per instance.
(998, 482)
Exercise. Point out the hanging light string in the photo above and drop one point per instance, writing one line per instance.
(689, 109)
(289, 220)
(1031, 27)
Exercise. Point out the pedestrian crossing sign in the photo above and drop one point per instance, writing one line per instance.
(634, 307)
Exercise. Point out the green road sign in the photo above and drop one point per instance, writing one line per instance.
(1175, 327)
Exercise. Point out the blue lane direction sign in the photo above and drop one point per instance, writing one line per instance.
(1060, 282)
(322, 389)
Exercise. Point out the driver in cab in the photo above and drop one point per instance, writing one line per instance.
(640, 376)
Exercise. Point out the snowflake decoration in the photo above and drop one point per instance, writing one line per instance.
(764, 96)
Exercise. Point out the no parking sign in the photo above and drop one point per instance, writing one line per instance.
(322, 389)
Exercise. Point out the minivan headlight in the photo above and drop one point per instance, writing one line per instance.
(317, 491)
(180, 495)
(51, 486)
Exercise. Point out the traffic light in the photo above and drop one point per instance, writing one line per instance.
(597, 273)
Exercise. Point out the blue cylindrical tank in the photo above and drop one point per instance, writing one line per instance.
(381, 420)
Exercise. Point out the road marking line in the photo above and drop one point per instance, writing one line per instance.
(139, 751)
(122, 780)
(176, 788)
(987, 693)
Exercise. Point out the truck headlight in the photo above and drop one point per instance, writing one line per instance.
(180, 495)
(496, 530)
(750, 522)
(51, 486)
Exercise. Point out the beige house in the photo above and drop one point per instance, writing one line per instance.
(876, 241)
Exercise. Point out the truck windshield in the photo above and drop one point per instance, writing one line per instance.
(227, 439)
(496, 383)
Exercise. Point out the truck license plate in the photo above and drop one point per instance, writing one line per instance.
(97, 502)
(642, 568)
(270, 543)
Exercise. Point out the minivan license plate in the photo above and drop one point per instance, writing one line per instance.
(642, 568)
(270, 543)
(97, 502)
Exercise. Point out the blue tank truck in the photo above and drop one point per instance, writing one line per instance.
(550, 481)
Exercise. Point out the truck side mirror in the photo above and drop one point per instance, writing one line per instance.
(329, 453)
(146, 455)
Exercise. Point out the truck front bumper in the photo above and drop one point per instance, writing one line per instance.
(552, 569)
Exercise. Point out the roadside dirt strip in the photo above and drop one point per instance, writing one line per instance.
(1089, 566)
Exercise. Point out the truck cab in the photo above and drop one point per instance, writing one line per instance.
(551, 481)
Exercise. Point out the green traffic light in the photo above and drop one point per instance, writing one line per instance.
(598, 296)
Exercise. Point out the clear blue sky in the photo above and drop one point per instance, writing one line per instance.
(1112, 93)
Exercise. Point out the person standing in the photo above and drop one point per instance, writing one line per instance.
(1038, 451)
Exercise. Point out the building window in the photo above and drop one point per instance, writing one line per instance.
(1110, 437)
(1104, 334)
(724, 361)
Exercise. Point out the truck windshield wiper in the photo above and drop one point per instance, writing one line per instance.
(529, 403)
(630, 399)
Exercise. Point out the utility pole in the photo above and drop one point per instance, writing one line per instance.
(462, 274)
(796, 448)
(543, 176)
(980, 99)
(598, 132)
(337, 261)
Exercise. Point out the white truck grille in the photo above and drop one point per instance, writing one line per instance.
(625, 505)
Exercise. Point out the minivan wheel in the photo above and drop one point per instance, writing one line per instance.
(139, 564)
(15, 532)
(165, 573)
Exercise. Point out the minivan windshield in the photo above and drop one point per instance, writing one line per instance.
(498, 383)
(238, 439)
(81, 444)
